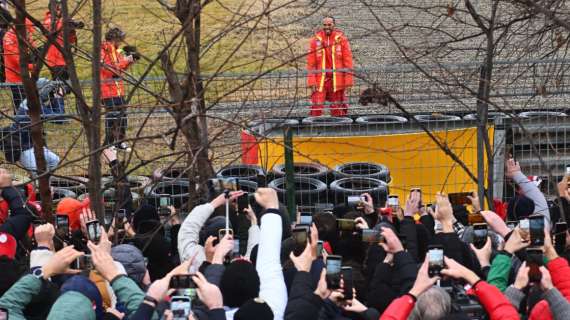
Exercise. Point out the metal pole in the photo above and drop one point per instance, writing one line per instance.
(289, 172)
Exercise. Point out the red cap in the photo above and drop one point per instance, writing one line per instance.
(8, 245)
(72, 208)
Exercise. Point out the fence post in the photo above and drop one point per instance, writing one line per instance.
(289, 172)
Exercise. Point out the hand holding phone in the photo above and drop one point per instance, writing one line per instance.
(301, 236)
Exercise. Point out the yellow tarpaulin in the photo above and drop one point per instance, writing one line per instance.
(414, 159)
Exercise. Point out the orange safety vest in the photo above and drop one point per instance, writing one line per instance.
(329, 58)
(114, 63)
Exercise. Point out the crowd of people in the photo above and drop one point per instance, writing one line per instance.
(239, 257)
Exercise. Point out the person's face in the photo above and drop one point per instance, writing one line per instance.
(328, 25)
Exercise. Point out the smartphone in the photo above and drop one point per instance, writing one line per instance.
(62, 225)
(3, 314)
(222, 232)
(333, 266)
(371, 236)
(560, 230)
(320, 248)
(119, 219)
(182, 281)
(242, 203)
(300, 235)
(346, 224)
(348, 282)
(93, 231)
(511, 224)
(83, 262)
(536, 224)
(460, 198)
(534, 260)
(235, 250)
(306, 218)
(180, 307)
(393, 201)
(435, 260)
(354, 201)
(480, 233)
(164, 203)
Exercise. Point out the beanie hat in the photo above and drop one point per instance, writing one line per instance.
(87, 288)
(254, 309)
(72, 208)
(240, 282)
(212, 227)
(520, 207)
(8, 245)
(132, 259)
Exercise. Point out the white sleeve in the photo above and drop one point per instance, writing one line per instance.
(189, 234)
(272, 284)
(252, 239)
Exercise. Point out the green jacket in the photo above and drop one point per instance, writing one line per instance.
(73, 305)
(499, 272)
(19, 295)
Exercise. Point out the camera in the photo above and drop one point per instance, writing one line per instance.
(346, 225)
(536, 224)
(371, 236)
(93, 231)
(435, 260)
(354, 201)
(74, 24)
(333, 266)
(480, 233)
(300, 235)
(132, 51)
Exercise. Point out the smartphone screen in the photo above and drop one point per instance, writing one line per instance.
(306, 218)
(119, 219)
(536, 223)
(83, 262)
(334, 264)
(320, 248)
(435, 261)
(93, 231)
(300, 235)
(180, 307)
(393, 201)
(347, 281)
(182, 281)
(346, 225)
(480, 233)
(164, 201)
(371, 235)
(62, 225)
(353, 201)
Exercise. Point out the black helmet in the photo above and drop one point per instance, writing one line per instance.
(115, 34)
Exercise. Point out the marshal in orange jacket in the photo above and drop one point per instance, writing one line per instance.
(54, 57)
(114, 63)
(329, 56)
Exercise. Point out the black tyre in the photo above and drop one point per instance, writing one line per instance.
(362, 169)
(305, 170)
(242, 172)
(308, 191)
(326, 120)
(342, 188)
(78, 185)
(381, 119)
(168, 174)
(248, 186)
(436, 117)
(178, 191)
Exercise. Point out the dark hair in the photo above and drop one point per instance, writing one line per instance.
(326, 224)
(115, 34)
(330, 17)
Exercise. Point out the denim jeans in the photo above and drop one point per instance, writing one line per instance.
(115, 120)
(28, 160)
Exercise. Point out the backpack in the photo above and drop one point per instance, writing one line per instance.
(10, 144)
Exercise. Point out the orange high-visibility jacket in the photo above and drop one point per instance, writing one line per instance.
(54, 57)
(114, 63)
(326, 56)
(12, 53)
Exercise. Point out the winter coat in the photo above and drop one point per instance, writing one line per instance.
(54, 57)
(114, 63)
(12, 53)
(327, 55)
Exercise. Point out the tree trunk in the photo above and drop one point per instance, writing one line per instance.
(34, 107)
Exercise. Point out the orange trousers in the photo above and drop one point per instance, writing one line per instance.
(336, 100)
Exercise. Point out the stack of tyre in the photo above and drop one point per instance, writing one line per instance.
(316, 184)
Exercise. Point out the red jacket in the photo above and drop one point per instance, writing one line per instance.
(495, 303)
(31, 193)
(12, 53)
(54, 57)
(559, 271)
(114, 63)
(321, 58)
